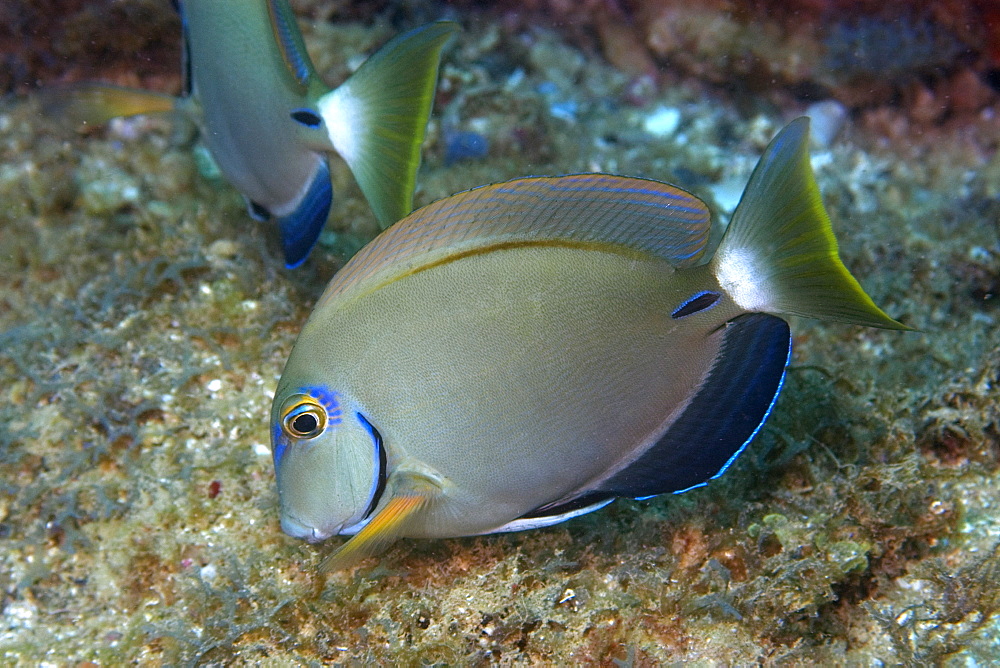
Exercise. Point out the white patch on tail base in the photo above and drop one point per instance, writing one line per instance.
(341, 113)
(738, 274)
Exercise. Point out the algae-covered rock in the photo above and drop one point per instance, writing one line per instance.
(145, 319)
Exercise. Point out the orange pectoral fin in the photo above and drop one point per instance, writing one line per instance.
(96, 104)
(378, 534)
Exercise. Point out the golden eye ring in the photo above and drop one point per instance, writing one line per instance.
(303, 417)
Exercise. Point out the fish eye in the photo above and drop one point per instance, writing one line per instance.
(303, 417)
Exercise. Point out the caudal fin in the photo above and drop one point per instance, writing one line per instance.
(95, 104)
(378, 117)
(779, 254)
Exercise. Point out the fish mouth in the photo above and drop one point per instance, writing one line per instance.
(310, 534)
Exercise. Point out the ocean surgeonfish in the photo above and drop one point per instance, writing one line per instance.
(270, 122)
(522, 353)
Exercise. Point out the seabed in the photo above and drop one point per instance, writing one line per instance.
(145, 319)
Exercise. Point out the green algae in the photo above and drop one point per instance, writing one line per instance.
(144, 321)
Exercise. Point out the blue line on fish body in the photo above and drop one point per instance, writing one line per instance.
(529, 351)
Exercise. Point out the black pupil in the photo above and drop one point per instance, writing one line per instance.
(305, 423)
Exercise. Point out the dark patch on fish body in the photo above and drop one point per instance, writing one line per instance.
(307, 117)
(699, 302)
(722, 418)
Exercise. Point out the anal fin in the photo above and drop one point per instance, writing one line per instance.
(549, 515)
(723, 417)
(301, 228)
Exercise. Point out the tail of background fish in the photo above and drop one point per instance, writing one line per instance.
(378, 117)
(779, 254)
(95, 104)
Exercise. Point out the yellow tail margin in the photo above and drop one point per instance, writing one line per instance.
(779, 254)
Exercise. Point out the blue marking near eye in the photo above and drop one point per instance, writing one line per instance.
(326, 398)
(278, 444)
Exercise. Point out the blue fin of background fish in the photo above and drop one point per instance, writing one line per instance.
(301, 228)
(723, 417)
(258, 212)
(289, 40)
(642, 215)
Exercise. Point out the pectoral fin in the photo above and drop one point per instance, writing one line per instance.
(382, 530)
(96, 104)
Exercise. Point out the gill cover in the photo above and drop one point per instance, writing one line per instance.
(329, 462)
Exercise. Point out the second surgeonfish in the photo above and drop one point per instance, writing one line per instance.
(519, 354)
(270, 122)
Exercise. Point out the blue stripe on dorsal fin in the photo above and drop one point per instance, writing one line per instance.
(289, 40)
(301, 228)
(642, 215)
(723, 417)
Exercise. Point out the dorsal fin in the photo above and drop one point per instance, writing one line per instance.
(289, 40)
(643, 215)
